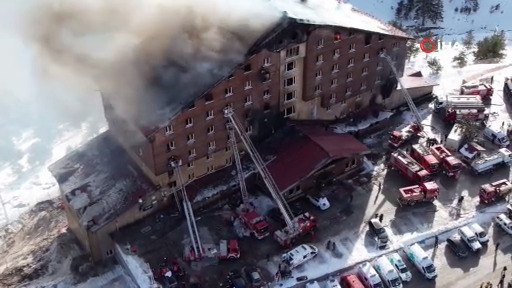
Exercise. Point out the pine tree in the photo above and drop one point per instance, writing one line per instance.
(429, 9)
(435, 65)
(491, 47)
(437, 12)
(475, 6)
(468, 40)
(399, 10)
(408, 8)
(412, 49)
(461, 59)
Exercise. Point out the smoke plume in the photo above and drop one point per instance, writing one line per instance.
(145, 55)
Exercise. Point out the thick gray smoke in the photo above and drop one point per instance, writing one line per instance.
(146, 55)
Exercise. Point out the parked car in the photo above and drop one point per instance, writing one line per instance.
(299, 255)
(236, 279)
(254, 277)
(480, 233)
(332, 283)
(470, 238)
(504, 222)
(400, 267)
(276, 215)
(377, 229)
(457, 246)
(319, 201)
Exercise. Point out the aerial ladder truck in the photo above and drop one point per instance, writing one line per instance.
(251, 219)
(397, 138)
(295, 226)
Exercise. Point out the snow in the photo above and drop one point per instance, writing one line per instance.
(111, 279)
(138, 270)
(344, 128)
(368, 166)
(80, 200)
(324, 12)
(262, 204)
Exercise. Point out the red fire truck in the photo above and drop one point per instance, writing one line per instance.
(451, 165)
(457, 107)
(257, 224)
(484, 90)
(425, 192)
(397, 138)
(422, 154)
(492, 191)
(404, 163)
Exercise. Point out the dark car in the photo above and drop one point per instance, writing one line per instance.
(236, 280)
(276, 215)
(377, 229)
(457, 246)
(254, 277)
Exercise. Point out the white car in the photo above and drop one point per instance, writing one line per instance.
(480, 233)
(299, 255)
(320, 202)
(504, 222)
(332, 283)
(470, 238)
(400, 267)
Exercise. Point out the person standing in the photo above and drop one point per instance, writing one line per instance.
(436, 241)
(381, 218)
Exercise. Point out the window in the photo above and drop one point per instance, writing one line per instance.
(367, 39)
(248, 84)
(366, 57)
(168, 130)
(229, 106)
(365, 70)
(209, 114)
(231, 76)
(335, 68)
(266, 61)
(333, 98)
(140, 152)
(229, 161)
(170, 146)
(378, 79)
(208, 97)
(318, 88)
(337, 36)
(352, 47)
(318, 74)
(209, 157)
(228, 91)
(289, 82)
(210, 130)
(290, 66)
(192, 106)
(334, 82)
(266, 93)
(211, 145)
(396, 44)
(266, 107)
(292, 52)
(189, 122)
(248, 129)
(110, 252)
(247, 68)
(190, 164)
(349, 76)
(190, 137)
(248, 100)
(343, 102)
(336, 53)
(351, 33)
(358, 97)
(381, 37)
(191, 176)
(192, 152)
(319, 59)
(173, 184)
(348, 91)
(363, 85)
(289, 111)
(350, 62)
(320, 43)
(289, 96)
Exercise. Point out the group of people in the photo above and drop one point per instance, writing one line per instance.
(501, 283)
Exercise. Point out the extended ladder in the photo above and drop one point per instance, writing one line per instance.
(238, 163)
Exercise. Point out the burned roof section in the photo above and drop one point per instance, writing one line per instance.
(99, 181)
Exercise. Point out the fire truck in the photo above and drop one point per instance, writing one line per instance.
(451, 165)
(456, 107)
(425, 192)
(296, 226)
(493, 191)
(401, 161)
(484, 90)
(488, 162)
(250, 218)
(423, 156)
(397, 138)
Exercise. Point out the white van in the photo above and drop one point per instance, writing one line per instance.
(496, 135)
(369, 276)
(480, 233)
(470, 238)
(299, 255)
(400, 267)
(420, 259)
(387, 272)
(504, 222)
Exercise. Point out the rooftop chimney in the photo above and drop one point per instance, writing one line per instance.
(303, 1)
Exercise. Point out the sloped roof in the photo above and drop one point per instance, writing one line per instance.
(99, 180)
(300, 157)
